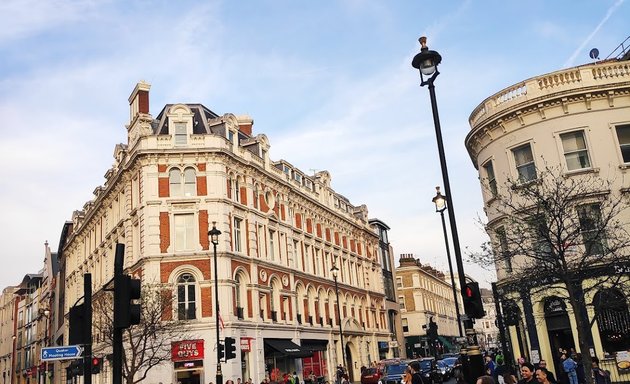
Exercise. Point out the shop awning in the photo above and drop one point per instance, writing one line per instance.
(286, 347)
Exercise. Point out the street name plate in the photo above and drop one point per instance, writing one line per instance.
(66, 352)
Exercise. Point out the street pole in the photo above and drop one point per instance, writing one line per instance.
(117, 338)
(426, 62)
(87, 328)
(334, 271)
(507, 354)
(214, 237)
(441, 206)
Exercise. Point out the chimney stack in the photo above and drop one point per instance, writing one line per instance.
(139, 100)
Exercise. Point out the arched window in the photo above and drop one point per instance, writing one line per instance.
(182, 184)
(175, 182)
(240, 296)
(613, 319)
(190, 182)
(186, 297)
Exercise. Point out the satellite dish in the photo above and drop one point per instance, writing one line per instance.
(594, 53)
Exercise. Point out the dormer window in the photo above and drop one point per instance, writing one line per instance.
(181, 135)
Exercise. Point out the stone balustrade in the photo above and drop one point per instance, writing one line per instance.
(559, 82)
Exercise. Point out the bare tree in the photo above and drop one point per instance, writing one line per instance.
(559, 233)
(145, 345)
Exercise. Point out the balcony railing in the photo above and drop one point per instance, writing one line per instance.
(559, 83)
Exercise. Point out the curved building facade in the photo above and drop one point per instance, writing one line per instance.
(577, 121)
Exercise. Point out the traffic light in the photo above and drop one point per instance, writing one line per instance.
(126, 290)
(76, 332)
(97, 363)
(221, 350)
(76, 368)
(432, 332)
(473, 306)
(230, 348)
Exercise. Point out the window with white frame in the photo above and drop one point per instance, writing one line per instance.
(490, 178)
(399, 282)
(591, 228)
(186, 297)
(182, 183)
(575, 151)
(181, 134)
(623, 135)
(524, 160)
(272, 245)
(405, 325)
(238, 238)
(184, 232)
(401, 301)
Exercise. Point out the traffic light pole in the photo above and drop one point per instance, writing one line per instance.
(117, 336)
(87, 330)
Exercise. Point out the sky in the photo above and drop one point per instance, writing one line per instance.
(330, 83)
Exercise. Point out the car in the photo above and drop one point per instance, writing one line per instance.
(370, 376)
(430, 371)
(450, 361)
(392, 372)
(444, 369)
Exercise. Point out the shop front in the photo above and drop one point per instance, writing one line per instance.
(187, 357)
(317, 363)
(282, 356)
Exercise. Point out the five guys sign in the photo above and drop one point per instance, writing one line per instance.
(187, 350)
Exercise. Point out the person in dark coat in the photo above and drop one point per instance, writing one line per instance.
(550, 375)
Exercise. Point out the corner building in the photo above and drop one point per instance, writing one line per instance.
(576, 119)
(281, 233)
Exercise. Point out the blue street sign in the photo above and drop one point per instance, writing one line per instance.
(66, 352)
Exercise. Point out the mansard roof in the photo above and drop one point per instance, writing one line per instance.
(200, 119)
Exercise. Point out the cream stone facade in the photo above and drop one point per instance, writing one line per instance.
(282, 232)
(425, 293)
(577, 119)
(486, 328)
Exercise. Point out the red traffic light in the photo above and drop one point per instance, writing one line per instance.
(469, 292)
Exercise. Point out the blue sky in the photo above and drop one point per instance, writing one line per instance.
(329, 82)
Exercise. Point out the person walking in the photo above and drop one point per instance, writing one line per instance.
(550, 375)
(599, 375)
(542, 376)
(527, 373)
(416, 373)
(569, 365)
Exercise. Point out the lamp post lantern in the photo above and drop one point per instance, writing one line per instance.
(214, 238)
(427, 62)
(335, 272)
(440, 206)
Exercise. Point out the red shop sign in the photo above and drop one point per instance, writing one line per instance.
(187, 350)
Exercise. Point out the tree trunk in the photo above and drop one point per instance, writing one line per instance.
(577, 304)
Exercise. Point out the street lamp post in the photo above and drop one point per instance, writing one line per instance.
(440, 206)
(214, 238)
(335, 271)
(46, 314)
(427, 62)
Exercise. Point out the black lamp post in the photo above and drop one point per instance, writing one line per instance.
(440, 206)
(426, 62)
(335, 271)
(45, 313)
(214, 238)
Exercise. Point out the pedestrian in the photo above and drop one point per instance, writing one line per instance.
(485, 379)
(541, 376)
(550, 375)
(527, 373)
(296, 378)
(508, 376)
(499, 370)
(407, 376)
(581, 372)
(599, 375)
(458, 371)
(569, 365)
(489, 366)
(416, 373)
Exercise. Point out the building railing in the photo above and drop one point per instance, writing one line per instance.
(559, 82)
